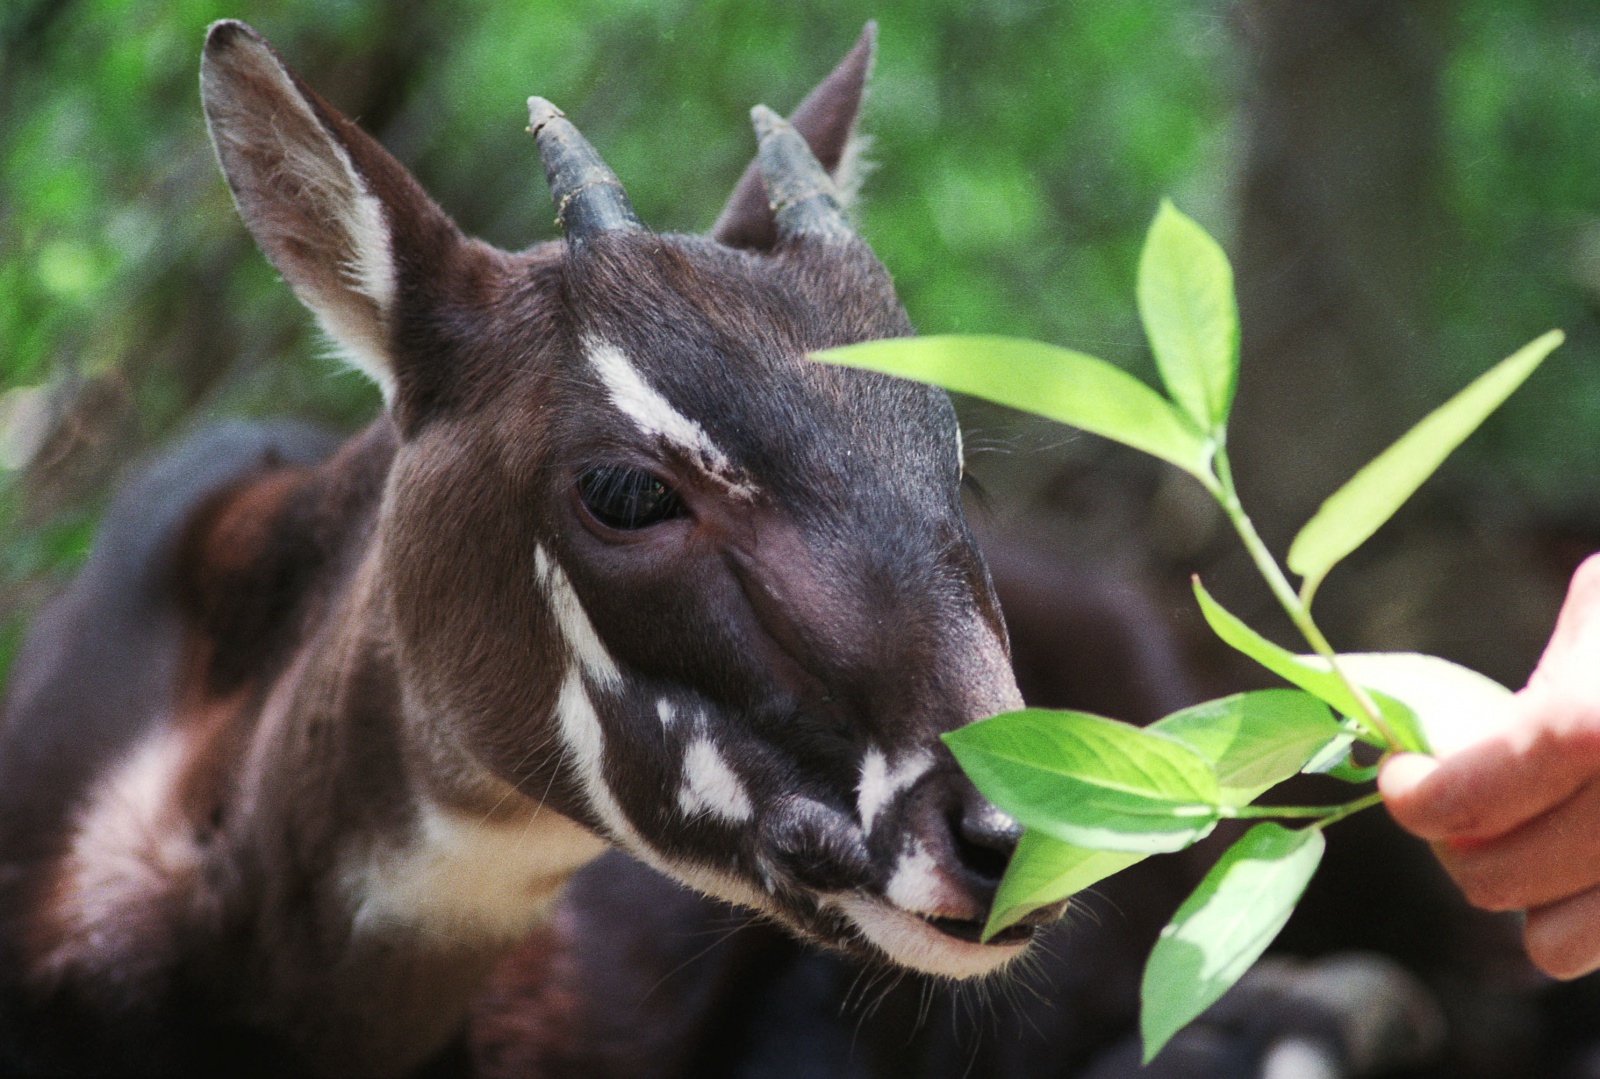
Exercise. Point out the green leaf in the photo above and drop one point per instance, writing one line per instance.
(1254, 740)
(1090, 781)
(1224, 927)
(1315, 678)
(1331, 757)
(1044, 871)
(1058, 383)
(1453, 705)
(1355, 511)
(1186, 303)
(1399, 715)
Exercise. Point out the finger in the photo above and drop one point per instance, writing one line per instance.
(1569, 658)
(1547, 860)
(1494, 786)
(1563, 939)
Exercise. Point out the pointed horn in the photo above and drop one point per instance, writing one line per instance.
(799, 190)
(588, 196)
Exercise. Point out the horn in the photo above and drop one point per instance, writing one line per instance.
(588, 196)
(799, 190)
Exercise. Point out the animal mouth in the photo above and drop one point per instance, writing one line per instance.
(971, 932)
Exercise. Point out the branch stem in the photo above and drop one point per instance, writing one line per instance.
(1293, 605)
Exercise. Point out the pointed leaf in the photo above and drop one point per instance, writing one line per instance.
(1186, 302)
(1057, 383)
(1355, 511)
(1454, 705)
(1045, 871)
(1090, 781)
(1255, 740)
(1222, 928)
(1315, 679)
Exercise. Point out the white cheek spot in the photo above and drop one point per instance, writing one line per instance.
(131, 859)
(912, 942)
(916, 885)
(710, 785)
(458, 874)
(666, 712)
(880, 784)
(654, 414)
(576, 628)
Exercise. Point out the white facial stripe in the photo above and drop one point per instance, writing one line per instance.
(915, 885)
(575, 625)
(464, 874)
(710, 785)
(912, 942)
(654, 414)
(585, 741)
(881, 784)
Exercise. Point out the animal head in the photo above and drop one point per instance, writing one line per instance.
(641, 559)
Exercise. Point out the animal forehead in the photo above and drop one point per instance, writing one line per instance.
(706, 346)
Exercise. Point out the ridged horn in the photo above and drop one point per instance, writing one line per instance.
(588, 197)
(799, 190)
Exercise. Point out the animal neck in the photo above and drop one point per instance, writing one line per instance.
(334, 864)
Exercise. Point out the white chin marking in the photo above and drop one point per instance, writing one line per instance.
(880, 784)
(912, 942)
(710, 785)
(654, 414)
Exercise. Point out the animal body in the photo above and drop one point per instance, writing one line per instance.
(314, 739)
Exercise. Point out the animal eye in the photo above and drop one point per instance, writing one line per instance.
(627, 498)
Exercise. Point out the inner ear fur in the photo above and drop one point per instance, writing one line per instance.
(339, 218)
(827, 119)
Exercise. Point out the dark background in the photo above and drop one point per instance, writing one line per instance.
(1408, 190)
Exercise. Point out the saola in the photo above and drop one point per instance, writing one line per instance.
(312, 742)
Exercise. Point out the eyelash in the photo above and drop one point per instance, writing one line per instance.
(627, 498)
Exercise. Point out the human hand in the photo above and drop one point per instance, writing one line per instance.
(1515, 817)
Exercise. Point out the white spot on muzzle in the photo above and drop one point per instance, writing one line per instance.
(654, 414)
(710, 785)
(915, 885)
(880, 784)
(666, 712)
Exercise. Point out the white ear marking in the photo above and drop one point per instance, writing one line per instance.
(300, 193)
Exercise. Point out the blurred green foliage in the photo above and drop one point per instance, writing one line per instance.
(1022, 146)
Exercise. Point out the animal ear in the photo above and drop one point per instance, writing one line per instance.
(337, 216)
(827, 119)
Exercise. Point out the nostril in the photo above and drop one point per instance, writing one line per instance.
(985, 839)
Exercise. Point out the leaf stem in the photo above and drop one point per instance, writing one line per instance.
(1350, 808)
(1293, 604)
(1324, 815)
